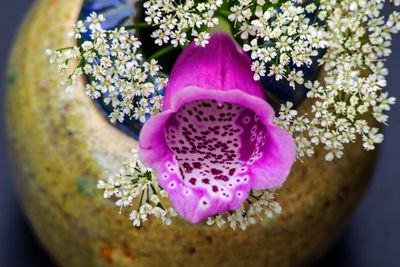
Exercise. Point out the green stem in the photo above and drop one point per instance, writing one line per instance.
(160, 205)
(316, 12)
(253, 196)
(148, 195)
(161, 52)
(277, 58)
(64, 48)
(223, 25)
(268, 44)
(154, 190)
(141, 200)
(392, 7)
(225, 13)
(140, 25)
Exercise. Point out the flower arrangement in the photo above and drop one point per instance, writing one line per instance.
(210, 141)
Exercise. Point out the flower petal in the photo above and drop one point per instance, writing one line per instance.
(276, 160)
(221, 65)
(215, 139)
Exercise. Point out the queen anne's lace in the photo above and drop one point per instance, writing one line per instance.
(357, 39)
(136, 183)
(175, 19)
(115, 68)
(350, 39)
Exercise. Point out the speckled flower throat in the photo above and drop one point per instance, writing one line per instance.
(213, 143)
(208, 144)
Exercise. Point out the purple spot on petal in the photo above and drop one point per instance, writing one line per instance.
(215, 171)
(192, 181)
(188, 168)
(222, 177)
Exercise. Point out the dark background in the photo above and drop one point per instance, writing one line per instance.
(371, 238)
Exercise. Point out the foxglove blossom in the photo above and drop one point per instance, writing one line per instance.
(215, 138)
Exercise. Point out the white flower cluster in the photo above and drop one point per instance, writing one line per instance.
(175, 19)
(278, 37)
(137, 185)
(260, 204)
(115, 69)
(351, 95)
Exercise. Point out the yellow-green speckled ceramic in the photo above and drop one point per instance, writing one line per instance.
(60, 144)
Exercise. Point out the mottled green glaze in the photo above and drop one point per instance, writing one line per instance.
(60, 145)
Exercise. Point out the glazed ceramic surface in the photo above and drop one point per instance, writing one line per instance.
(61, 144)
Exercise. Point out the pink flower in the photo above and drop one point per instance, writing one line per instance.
(215, 139)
